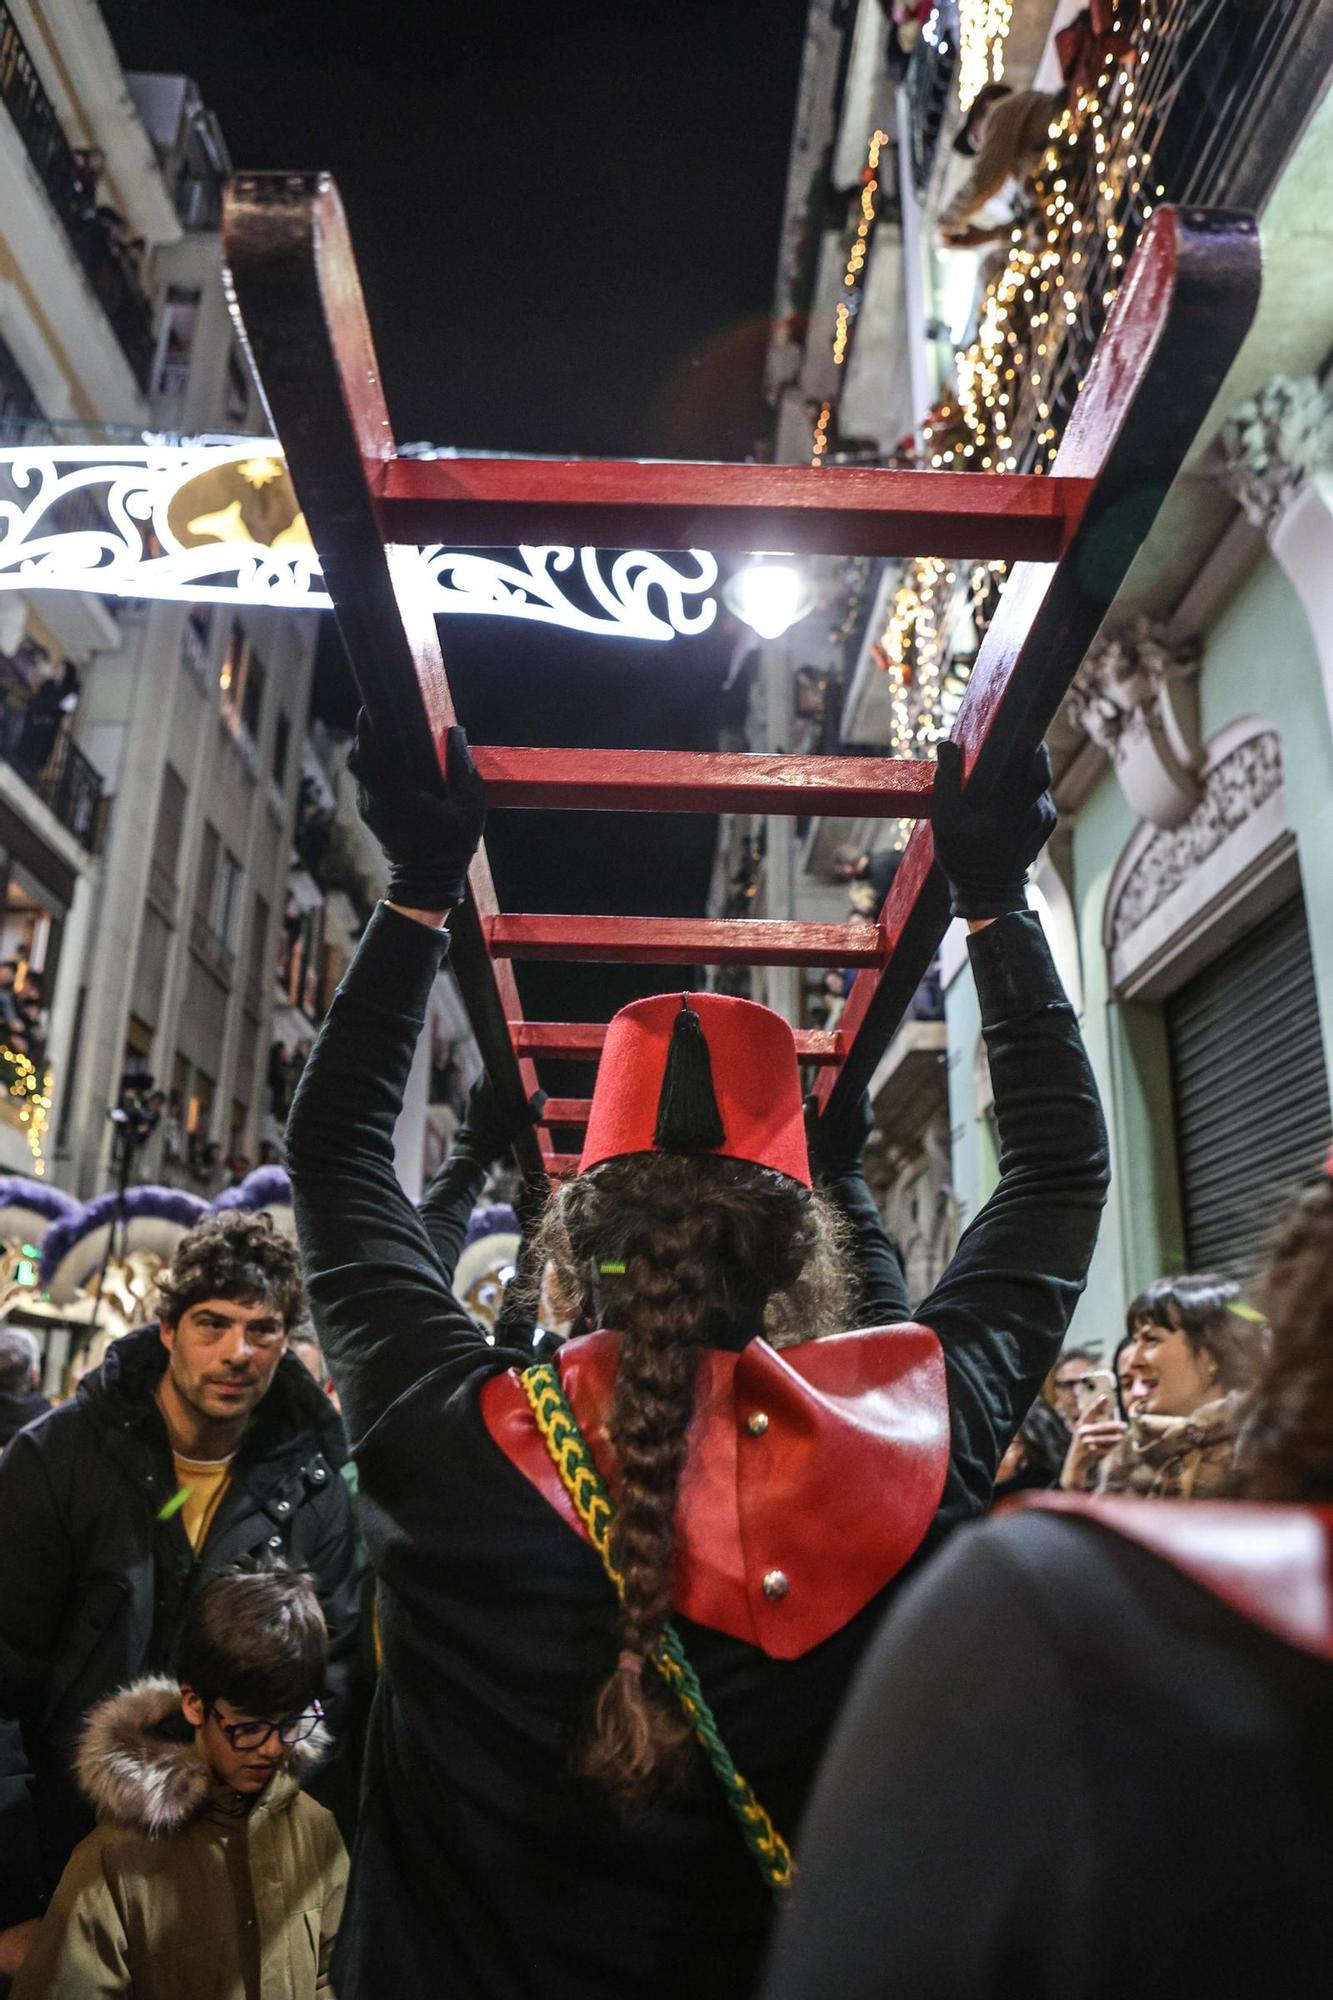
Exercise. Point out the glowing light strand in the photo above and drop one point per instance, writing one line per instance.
(32, 1092)
(982, 28)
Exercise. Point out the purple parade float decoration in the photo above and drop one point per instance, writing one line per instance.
(267, 1188)
(148, 1220)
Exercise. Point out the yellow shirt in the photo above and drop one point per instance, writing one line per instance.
(203, 1481)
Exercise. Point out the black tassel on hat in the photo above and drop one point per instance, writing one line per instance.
(688, 1120)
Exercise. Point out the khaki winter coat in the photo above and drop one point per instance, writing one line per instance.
(175, 1897)
(1176, 1458)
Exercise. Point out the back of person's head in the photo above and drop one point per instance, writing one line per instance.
(1200, 1307)
(237, 1254)
(20, 1360)
(255, 1638)
(676, 1253)
(1287, 1448)
(968, 138)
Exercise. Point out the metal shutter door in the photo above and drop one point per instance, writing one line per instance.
(1251, 1092)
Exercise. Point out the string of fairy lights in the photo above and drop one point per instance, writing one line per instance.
(1039, 315)
(853, 276)
(982, 27)
(32, 1092)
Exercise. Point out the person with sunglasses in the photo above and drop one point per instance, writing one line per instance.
(210, 1871)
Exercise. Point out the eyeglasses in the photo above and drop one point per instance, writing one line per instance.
(252, 1735)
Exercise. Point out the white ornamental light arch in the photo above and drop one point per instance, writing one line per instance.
(217, 521)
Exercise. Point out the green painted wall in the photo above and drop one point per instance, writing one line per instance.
(1259, 660)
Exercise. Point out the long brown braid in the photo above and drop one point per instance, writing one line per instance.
(707, 1246)
(1286, 1450)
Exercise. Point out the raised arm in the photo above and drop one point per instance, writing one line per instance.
(446, 1207)
(385, 1315)
(836, 1147)
(1002, 1308)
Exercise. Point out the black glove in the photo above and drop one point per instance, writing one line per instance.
(428, 836)
(837, 1142)
(986, 847)
(489, 1127)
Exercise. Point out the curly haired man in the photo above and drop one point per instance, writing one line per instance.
(201, 1441)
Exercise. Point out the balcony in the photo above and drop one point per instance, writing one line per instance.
(35, 742)
(106, 264)
(1189, 105)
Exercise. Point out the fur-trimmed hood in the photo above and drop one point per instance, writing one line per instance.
(137, 1765)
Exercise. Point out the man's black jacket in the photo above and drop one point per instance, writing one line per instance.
(94, 1584)
(20, 1408)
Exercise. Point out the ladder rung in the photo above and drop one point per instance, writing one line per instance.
(584, 1039)
(683, 941)
(566, 1110)
(706, 782)
(831, 510)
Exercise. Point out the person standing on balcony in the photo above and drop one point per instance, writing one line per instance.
(1006, 131)
(537, 1820)
(48, 712)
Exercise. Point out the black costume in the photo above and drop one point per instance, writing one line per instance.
(94, 1583)
(482, 1866)
(1078, 1767)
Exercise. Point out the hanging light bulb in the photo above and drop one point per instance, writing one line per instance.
(770, 595)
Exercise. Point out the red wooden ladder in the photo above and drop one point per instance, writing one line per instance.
(1177, 325)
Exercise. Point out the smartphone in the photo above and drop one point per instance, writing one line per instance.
(1097, 1382)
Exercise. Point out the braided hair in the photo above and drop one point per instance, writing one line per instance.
(676, 1253)
(1287, 1446)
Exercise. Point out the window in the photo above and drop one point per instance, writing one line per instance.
(252, 697)
(241, 680)
(238, 389)
(196, 634)
(180, 313)
(258, 960)
(205, 884)
(170, 822)
(282, 743)
(228, 902)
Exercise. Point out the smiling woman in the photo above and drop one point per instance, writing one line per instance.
(1193, 1351)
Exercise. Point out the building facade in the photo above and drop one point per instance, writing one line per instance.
(1187, 895)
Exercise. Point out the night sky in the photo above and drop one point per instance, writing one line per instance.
(566, 220)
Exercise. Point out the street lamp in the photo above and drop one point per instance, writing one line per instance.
(770, 595)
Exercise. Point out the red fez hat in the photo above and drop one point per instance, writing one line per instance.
(699, 1073)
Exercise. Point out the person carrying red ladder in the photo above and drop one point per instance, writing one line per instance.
(621, 1596)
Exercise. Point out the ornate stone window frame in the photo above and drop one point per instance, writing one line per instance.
(1180, 895)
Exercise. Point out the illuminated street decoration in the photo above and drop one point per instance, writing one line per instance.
(219, 523)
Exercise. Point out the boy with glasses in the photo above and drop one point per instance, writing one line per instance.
(210, 1871)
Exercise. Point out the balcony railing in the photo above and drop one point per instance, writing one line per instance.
(50, 763)
(105, 264)
(930, 74)
(1184, 101)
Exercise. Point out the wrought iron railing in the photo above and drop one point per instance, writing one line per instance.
(105, 264)
(57, 772)
(1184, 101)
(930, 75)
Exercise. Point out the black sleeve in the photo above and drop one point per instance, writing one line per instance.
(1002, 1308)
(880, 1289)
(334, 1563)
(385, 1316)
(36, 1571)
(951, 1791)
(446, 1206)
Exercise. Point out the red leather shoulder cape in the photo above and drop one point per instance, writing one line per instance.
(834, 1492)
(1272, 1564)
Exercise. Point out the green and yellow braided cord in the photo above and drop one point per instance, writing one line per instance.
(596, 1510)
